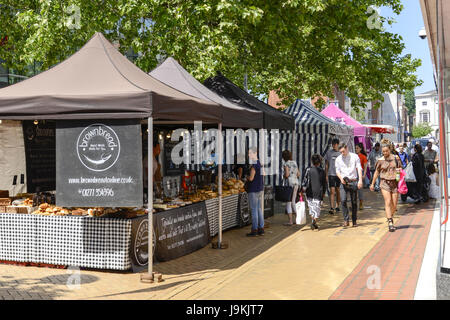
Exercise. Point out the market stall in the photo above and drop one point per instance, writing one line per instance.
(312, 134)
(232, 210)
(361, 133)
(96, 101)
(274, 121)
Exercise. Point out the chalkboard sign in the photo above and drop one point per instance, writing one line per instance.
(181, 231)
(171, 169)
(268, 201)
(40, 155)
(99, 164)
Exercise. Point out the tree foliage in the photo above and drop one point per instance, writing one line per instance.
(421, 130)
(410, 102)
(300, 48)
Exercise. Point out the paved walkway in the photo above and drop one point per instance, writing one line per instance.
(287, 263)
(391, 269)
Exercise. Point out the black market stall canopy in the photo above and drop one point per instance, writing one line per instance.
(273, 118)
(173, 74)
(98, 82)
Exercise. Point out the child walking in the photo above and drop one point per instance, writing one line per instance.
(314, 185)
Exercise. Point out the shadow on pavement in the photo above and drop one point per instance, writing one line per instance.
(243, 249)
(46, 288)
(146, 290)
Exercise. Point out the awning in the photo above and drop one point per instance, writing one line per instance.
(273, 118)
(98, 82)
(380, 128)
(171, 73)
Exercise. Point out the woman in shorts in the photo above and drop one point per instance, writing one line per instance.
(388, 168)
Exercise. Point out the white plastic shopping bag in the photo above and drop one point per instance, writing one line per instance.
(409, 173)
(301, 212)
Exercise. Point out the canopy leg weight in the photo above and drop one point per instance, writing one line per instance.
(223, 245)
(147, 278)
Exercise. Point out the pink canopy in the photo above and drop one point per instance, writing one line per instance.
(362, 133)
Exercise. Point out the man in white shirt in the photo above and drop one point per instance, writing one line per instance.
(349, 171)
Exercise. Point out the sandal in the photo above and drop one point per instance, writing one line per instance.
(391, 225)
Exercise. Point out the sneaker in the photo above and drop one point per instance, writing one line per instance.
(346, 224)
(331, 211)
(261, 232)
(337, 209)
(254, 233)
(315, 225)
(354, 224)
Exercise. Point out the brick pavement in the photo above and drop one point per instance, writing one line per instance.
(287, 263)
(391, 269)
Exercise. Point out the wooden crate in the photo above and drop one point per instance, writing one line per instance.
(2, 209)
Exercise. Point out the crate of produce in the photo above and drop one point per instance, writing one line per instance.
(5, 201)
(2, 209)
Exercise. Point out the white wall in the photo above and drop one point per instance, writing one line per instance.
(431, 106)
(389, 115)
(12, 156)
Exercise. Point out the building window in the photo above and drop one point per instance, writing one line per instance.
(424, 116)
(424, 103)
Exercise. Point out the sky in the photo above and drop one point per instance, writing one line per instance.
(407, 25)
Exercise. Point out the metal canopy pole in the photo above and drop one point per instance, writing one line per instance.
(150, 276)
(219, 142)
(150, 196)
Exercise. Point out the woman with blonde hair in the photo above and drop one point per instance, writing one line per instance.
(388, 168)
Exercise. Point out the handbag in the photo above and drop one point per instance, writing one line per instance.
(402, 187)
(283, 193)
(246, 185)
(409, 173)
(301, 212)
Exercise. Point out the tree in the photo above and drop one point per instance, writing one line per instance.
(421, 130)
(410, 102)
(298, 48)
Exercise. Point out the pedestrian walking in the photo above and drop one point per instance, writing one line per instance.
(314, 185)
(430, 155)
(330, 173)
(255, 188)
(291, 174)
(374, 155)
(434, 192)
(388, 168)
(403, 156)
(363, 159)
(418, 163)
(349, 172)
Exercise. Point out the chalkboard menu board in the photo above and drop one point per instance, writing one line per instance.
(40, 155)
(268, 201)
(181, 231)
(99, 164)
(170, 168)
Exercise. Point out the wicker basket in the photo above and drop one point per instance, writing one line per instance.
(5, 201)
(2, 209)
(14, 209)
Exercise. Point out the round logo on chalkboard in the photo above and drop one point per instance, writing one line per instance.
(98, 147)
(140, 247)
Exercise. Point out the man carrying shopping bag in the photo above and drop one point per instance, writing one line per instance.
(314, 184)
